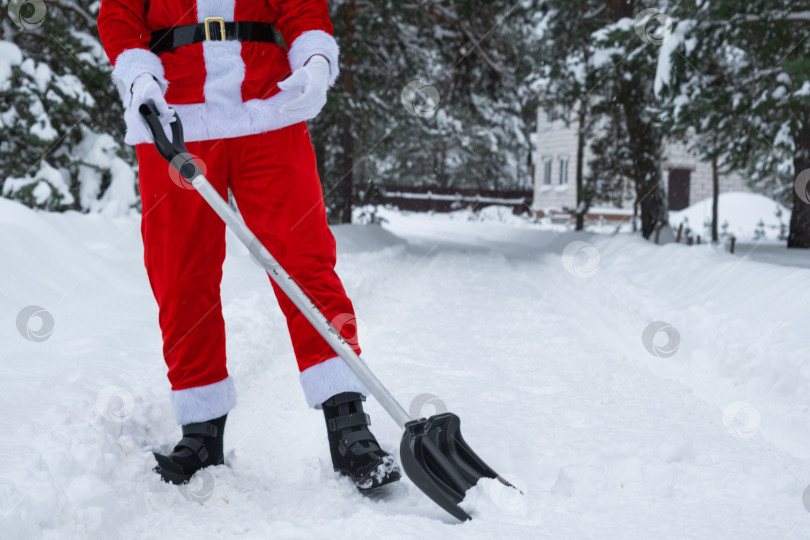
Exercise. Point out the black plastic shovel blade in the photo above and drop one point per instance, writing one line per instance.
(438, 460)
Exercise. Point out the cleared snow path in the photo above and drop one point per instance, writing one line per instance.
(547, 371)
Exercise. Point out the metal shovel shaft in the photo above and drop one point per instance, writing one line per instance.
(301, 300)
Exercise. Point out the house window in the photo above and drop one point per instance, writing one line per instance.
(549, 116)
(563, 171)
(546, 171)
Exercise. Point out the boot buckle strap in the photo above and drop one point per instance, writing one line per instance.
(195, 446)
(343, 398)
(208, 429)
(350, 420)
(360, 437)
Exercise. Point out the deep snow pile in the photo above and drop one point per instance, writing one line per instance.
(543, 348)
(748, 216)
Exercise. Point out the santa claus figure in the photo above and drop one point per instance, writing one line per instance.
(243, 100)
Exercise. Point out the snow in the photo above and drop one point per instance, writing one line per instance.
(72, 86)
(8, 117)
(743, 213)
(46, 182)
(43, 129)
(120, 195)
(99, 153)
(10, 55)
(41, 73)
(605, 56)
(784, 139)
(547, 370)
(668, 47)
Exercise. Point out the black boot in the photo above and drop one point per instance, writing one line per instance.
(200, 447)
(355, 451)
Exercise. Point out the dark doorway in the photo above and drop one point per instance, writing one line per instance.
(679, 188)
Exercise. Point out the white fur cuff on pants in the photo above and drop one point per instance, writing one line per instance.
(330, 377)
(203, 403)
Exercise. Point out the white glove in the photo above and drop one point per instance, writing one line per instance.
(309, 83)
(145, 88)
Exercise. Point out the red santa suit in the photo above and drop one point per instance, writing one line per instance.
(227, 97)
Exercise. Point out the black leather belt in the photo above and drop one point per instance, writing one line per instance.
(213, 29)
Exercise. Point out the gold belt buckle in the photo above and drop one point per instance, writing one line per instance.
(208, 21)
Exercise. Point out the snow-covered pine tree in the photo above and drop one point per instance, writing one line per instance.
(60, 117)
(629, 146)
(467, 122)
(738, 75)
(568, 78)
(352, 134)
(597, 67)
(483, 54)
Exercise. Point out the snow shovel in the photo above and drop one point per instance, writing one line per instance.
(433, 452)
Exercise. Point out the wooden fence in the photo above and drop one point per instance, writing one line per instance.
(431, 198)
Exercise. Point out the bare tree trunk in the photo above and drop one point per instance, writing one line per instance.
(631, 94)
(583, 201)
(652, 205)
(442, 178)
(581, 204)
(799, 236)
(346, 188)
(347, 183)
(715, 198)
(620, 9)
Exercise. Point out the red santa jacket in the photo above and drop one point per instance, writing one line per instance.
(218, 88)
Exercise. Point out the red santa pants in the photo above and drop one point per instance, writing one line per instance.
(274, 180)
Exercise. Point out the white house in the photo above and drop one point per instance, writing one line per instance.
(687, 180)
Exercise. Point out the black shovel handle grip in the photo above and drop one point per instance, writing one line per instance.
(174, 151)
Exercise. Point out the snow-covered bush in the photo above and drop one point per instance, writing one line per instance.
(60, 117)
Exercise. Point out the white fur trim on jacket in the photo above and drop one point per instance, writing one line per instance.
(134, 62)
(224, 115)
(215, 8)
(315, 42)
(203, 403)
(222, 119)
(224, 66)
(329, 378)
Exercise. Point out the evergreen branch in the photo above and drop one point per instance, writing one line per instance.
(774, 16)
(440, 14)
(74, 7)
